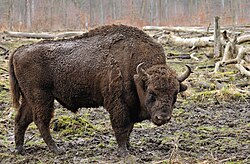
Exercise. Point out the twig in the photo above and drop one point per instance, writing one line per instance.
(217, 66)
(175, 150)
(29, 139)
(4, 69)
(181, 56)
(5, 50)
(208, 28)
(194, 57)
(204, 67)
(227, 159)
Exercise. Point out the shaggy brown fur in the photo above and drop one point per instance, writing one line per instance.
(92, 70)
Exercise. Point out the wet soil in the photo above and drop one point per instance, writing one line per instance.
(210, 124)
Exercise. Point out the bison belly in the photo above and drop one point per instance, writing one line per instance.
(77, 99)
(78, 88)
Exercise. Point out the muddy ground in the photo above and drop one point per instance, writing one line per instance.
(210, 124)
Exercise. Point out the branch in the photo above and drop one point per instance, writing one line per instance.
(242, 69)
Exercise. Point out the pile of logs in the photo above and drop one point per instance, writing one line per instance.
(227, 42)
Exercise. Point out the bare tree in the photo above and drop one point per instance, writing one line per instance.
(28, 14)
(10, 14)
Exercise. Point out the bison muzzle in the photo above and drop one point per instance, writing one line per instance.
(115, 66)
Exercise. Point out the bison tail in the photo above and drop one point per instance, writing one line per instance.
(14, 86)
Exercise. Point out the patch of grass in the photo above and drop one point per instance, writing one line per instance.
(225, 94)
(6, 155)
(4, 96)
(31, 143)
(4, 140)
(178, 112)
(231, 93)
(168, 139)
(203, 96)
(234, 162)
(206, 129)
(15, 43)
(67, 125)
(144, 125)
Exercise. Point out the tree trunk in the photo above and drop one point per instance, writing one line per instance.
(217, 43)
(28, 14)
(10, 15)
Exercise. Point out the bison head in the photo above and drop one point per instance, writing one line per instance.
(157, 89)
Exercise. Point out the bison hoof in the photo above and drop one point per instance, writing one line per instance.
(19, 150)
(123, 152)
(58, 151)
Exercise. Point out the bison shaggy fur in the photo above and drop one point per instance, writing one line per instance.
(115, 66)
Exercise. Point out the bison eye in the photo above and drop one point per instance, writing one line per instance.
(152, 97)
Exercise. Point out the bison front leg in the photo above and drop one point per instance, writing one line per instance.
(122, 134)
(122, 127)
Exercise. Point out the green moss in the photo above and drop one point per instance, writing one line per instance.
(178, 112)
(206, 129)
(234, 162)
(67, 125)
(35, 142)
(4, 140)
(144, 125)
(226, 93)
(14, 43)
(101, 145)
(6, 155)
(203, 96)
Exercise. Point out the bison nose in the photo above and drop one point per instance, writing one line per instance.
(161, 118)
(168, 118)
(158, 117)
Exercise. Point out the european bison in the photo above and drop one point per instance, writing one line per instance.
(115, 66)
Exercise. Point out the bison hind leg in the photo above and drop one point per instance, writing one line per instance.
(22, 120)
(42, 113)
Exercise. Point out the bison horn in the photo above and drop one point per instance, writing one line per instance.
(185, 75)
(140, 70)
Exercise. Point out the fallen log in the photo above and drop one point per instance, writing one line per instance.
(201, 30)
(41, 35)
(243, 39)
(177, 29)
(188, 42)
(242, 69)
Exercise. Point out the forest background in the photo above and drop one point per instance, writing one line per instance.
(64, 15)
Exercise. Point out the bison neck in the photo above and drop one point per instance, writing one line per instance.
(144, 115)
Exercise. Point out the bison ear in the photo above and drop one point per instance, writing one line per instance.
(183, 87)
